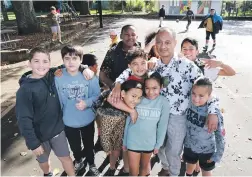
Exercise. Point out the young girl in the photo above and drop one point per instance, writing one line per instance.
(146, 136)
(113, 120)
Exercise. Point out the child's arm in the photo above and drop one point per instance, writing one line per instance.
(162, 124)
(212, 118)
(124, 76)
(94, 92)
(122, 106)
(220, 140)
(24, 113)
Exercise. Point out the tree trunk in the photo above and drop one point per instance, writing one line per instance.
(25, 16)
(4, 11)
(84, 10)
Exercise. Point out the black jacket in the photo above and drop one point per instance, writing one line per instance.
(38, 110)
(161, 12)
(217, 23)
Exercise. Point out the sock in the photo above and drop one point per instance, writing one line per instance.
(188, 174)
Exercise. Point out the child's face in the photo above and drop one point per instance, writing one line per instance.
(138, 66)
(94, 68)
(40, 65)
(200, 95)
(189, 51)
(152, 89)
(112, 37)
(129, 37)
(132, 97)
(72, 62)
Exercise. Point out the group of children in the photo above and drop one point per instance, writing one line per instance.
(53, 109)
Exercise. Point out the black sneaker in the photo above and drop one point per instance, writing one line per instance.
(205, 48)
(98, 146)
(93, 171)
(123, 173)
(49, 174)
(214, 45)
(110, 172)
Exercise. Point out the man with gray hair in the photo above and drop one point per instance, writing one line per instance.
(179, 75)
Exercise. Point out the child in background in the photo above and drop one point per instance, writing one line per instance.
(39, 114)
(76, 97)
(147, 135)
(114, 38)
(200, 145)
(54, 22)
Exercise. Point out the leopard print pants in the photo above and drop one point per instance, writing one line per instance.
(112, 128)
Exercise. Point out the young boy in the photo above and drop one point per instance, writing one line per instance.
(39, 114)
(76, 97)
(54, 22)
(211, 68)
(200, 145)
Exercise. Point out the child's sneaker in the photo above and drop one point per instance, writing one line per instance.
(79, 165)
(205, 48)
(94, 171)
(49, 174)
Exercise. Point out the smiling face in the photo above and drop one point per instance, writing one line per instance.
(132, 97)
(165, 44)
(40, 65)
(152, 89)
(138, 66)
(129, 36)
(189, 51)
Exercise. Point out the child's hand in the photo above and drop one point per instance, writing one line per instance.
(88, 74)
(209, 161)
(58, 73)
(133, 116)
(124, 148)
(155, 151)
(152, 63)
(81, 105)
(39, 151)
(212, 122)
(116, 93)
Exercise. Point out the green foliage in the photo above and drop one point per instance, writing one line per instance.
(150, 6)
(134, 5)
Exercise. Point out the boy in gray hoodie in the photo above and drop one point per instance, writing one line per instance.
(200, 145)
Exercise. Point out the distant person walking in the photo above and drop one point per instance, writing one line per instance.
(161, 15)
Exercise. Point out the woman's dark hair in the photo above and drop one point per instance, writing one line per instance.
(129, 84)
(156, 76)
(148, 39)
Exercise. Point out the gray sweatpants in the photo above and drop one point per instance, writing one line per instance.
(169, 154)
